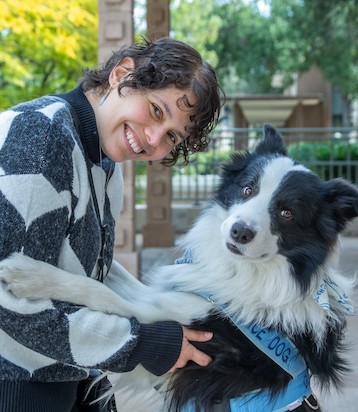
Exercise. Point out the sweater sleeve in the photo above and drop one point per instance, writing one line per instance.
(158, 347)
(45, 215)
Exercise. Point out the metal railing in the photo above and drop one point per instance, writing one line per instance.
(329, 152)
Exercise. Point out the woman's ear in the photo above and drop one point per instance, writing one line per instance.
(121, 70)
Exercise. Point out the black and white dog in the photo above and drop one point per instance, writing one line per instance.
(262, 276)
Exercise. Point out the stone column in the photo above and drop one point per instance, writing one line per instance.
(115, 26)
(116, 30)
(158, 230)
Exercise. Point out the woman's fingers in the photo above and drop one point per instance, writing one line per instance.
(190, 352)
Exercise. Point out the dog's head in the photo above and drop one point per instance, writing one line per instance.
(276, 206)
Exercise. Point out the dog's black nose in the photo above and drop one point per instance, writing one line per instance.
(241, 233)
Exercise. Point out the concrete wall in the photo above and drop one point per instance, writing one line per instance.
(313, 82)
(182, 217)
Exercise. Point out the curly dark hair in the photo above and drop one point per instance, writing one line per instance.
(160, 64)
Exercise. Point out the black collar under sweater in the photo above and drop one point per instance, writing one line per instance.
(87, 119)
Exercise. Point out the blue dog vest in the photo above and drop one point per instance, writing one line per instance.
(278, 348)
(297, 390)
(283, 352)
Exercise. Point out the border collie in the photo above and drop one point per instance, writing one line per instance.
(260, 273)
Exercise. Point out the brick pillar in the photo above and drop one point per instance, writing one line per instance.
(158, 230)
(115, 30)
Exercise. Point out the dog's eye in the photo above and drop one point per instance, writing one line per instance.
(287, 214)
(247, 191)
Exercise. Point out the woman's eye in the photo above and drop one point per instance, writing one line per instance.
(157, 111)
(247, 191)
(287, 214)
(172, 138)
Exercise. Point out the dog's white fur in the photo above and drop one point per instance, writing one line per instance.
(253, 284)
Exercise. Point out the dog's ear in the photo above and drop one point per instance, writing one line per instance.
(236, 164)
(272, 142)
(342, 198)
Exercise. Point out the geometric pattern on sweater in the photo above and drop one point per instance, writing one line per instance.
(47, 211)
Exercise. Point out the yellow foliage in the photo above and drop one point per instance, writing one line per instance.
(31, 17)
(17, 69)
(45, 44)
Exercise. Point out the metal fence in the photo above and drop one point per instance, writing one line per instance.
(329, 152)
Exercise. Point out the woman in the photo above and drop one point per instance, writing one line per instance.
(61, 189)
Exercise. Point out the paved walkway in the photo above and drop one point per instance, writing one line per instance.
(347, 400)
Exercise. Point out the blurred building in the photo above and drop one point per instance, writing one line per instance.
(309, 102)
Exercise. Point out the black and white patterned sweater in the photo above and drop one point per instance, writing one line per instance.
(47, 213)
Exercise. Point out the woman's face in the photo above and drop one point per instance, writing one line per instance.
(141, 125)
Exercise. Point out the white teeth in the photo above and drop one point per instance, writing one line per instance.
(136, 148)
(133, 144)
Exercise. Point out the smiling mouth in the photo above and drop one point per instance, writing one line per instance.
(133, 144)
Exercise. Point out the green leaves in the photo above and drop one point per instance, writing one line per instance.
(251, 46)
(44, 46)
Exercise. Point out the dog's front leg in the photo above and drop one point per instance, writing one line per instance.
(33, 279)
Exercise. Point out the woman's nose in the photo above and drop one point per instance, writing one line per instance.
(154, 135)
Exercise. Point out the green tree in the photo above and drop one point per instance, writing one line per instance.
(245, 49)
(286, 38)
(319, 32)
(44, 46)
(196, 23)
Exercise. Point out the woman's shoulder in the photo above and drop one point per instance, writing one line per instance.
(45, 108)
(38, 118)
(37, 113)
(45, 104)
(39, 132)
(35, 103)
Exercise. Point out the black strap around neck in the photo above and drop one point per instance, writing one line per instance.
(104, 232)
(84, 111)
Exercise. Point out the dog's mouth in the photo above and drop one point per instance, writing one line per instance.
(234, 249)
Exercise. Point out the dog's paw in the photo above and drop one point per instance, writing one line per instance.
(18, 275)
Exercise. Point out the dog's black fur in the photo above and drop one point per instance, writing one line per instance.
(322, 210)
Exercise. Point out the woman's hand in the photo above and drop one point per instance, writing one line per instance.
(189, 351)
